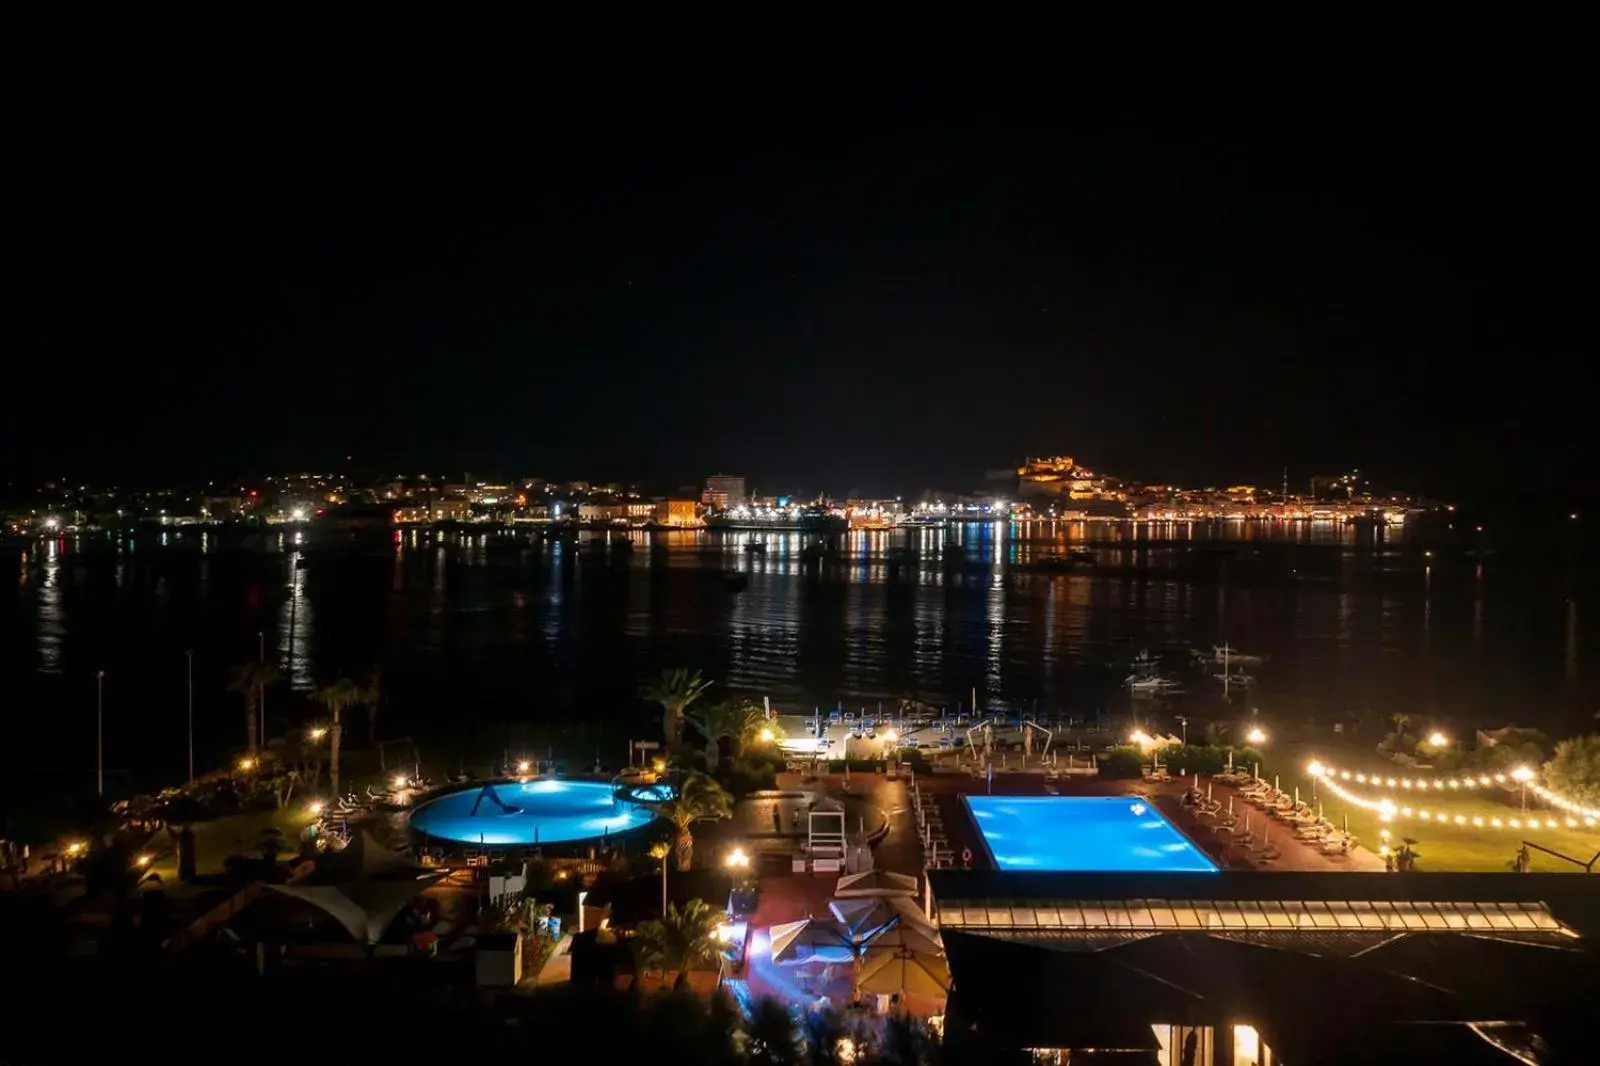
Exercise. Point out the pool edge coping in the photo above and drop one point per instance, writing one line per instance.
(983, 840)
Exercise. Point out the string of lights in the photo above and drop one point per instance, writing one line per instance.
(1389, 809)
(1423, 784)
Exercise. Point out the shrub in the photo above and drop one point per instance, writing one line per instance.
(1573, 773)
(857, 766)
(745, 776)
(1122, 763)
(1208, 759)
(915, 758)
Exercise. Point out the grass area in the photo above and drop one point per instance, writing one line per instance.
(1441, 847)
(235, 834)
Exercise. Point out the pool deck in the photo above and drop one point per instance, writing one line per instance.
(901, 850)
(790, 897)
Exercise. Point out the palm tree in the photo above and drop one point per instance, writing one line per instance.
(659, 851)
(370, 698)
(753, 725)
(714, 722)
(738, 721)
(697, 798)
(681, 939)
(250, 680)
(336, 697)
(1400, 720)
(674, 690)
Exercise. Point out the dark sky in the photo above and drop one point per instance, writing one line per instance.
(872, 258)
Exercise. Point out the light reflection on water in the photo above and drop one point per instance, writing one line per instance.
(507, 634)
(296, 629)
(51, 629)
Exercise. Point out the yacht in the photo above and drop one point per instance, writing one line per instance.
(1225, 656)
(1153, 686)
(1235, 680)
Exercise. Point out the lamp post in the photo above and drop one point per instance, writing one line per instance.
(261, 689)
(100, 733)
(1256, 736)
(188, 657)
(581, 897)
(1522, 775)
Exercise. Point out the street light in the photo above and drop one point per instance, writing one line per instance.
(318, 733)
(247, 764)
(1437, 739)
(581, 897)
(524, 766)
(1256, 736)
(100, 733)
(738, 859)
(766, 736)
(1522, 775)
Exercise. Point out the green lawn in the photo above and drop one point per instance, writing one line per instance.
(235, 834)
(1441, 847)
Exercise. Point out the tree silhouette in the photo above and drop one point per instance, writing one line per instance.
(674, 690)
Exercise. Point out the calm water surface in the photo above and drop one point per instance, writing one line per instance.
(482, 642)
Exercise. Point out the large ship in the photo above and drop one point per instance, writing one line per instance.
(782, 520)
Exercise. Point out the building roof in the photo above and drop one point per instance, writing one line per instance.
(1568, 898)
(1365, 1001)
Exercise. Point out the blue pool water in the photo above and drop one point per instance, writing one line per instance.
(1110, 833)
(548, 811)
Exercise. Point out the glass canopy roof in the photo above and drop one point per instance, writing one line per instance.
(1223, 915)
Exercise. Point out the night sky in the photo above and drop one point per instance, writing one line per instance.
(862, 260)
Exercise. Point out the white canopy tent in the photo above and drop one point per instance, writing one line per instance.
(373, 886)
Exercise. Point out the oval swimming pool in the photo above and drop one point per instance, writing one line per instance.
(546, 811)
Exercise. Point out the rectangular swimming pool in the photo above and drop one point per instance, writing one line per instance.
(1120, 834)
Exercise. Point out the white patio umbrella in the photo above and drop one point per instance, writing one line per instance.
(901, 959)
(865, 916)
(875, 883)
(811, 940)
